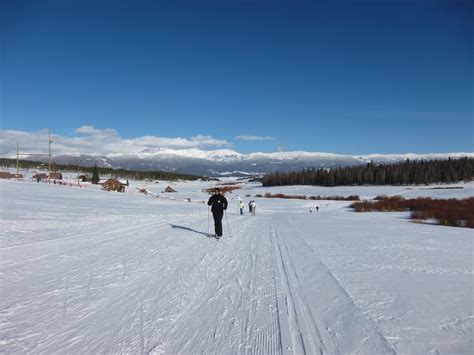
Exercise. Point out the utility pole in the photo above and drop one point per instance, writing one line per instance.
(17, 158)
(49, 155)
(78, 162)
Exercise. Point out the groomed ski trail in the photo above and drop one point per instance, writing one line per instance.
(258, 302)
(320, 316)
(164, 287)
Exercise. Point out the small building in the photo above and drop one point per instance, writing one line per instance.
(8, 175)
(5, 175)
(113, 184)
(84, 178)
(56, 176)
(169, 189)
(40, 176)
(122, 181)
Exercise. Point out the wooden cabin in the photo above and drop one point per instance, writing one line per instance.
(84, 178)
(56, 176)
(169, 189)
(113, 184)
(5, 175)
(8, 175)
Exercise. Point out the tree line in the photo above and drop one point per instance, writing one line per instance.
(415, 172)
(123, 173)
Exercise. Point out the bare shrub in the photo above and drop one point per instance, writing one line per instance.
(222, 188)
(450, 212)
(304, 197)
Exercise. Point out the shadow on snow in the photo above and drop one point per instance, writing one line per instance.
(191, 230)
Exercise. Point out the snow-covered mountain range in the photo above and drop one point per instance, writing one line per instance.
(228, 162)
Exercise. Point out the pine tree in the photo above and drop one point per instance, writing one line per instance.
(404, 173)
(95, 175)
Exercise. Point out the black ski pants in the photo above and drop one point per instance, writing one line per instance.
(217, 215)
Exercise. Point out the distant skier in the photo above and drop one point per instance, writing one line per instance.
(310, 210)
(254, 208)
(250, 207)
(241, 206)
(218, 205)
(317, 208)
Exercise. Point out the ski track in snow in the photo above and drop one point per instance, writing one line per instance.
(238, 294)
(161, 286)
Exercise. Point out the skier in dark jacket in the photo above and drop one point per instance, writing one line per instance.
(218, 205)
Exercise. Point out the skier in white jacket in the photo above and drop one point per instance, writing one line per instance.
(254, 207)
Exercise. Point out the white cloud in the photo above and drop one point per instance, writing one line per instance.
(253, 138)
(90, 140)
(90, 130)
(208, 140)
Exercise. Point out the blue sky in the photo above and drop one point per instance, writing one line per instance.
(349, 77)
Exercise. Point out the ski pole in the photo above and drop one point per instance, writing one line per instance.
(208, 231)
(227, 220)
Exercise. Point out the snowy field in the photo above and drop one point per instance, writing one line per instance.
(89, 271)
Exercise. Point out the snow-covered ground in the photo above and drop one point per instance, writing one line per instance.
(88, 271)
